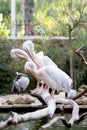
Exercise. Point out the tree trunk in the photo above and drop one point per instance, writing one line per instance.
(28, 5)
(71, 55)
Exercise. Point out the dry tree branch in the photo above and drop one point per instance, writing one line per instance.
(81, 94)
(64, 121)
(16, 118)
(48, 111)
(81, 118)
(82, 58)
(6, 123)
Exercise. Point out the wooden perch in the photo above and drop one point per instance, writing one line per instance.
(64, 121)
(48, 111)
(82, 117)
(16, 118)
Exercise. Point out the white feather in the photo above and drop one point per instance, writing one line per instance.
(54, 77)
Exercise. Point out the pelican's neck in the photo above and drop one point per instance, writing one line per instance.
(36, 57)
(34, 71)
(33, 56)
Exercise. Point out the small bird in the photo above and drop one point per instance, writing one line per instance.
(20, 83)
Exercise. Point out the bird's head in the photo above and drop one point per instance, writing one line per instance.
(29, 66)
(21, 74)
(15, 53)
(28, 47)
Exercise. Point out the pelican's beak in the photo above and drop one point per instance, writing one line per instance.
(31, 57)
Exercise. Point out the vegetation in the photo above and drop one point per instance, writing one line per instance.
(56, 17)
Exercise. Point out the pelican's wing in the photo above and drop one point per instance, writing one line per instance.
(62, 80)
(48, 61)
(40, 54)
(50, 79)
(16, 87)
(24, 81)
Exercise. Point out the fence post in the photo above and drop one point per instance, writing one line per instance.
(13, 18)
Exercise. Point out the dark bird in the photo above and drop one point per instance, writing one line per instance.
(20, 83)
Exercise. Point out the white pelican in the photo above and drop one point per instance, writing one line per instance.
(20, 83)
(54, 77)
(38, 58)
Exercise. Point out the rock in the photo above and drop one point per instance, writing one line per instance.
(20, 100)
(2, 101)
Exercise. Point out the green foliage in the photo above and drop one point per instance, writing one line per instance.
(53, 17)
(4, 18)
(5, 23)
(4, 31)
(19, 11)
(5, 7)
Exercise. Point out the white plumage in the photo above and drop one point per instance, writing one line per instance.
(54, 77)
(20, 83)
(38, 58)
(15, 53)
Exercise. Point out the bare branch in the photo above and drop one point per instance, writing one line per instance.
(81, 94)
(6, 123)
(82, 117)
(16, 118)
(82, 58)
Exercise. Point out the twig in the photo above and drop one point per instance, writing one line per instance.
(82, 117)
(81, 94)
(79, 53)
